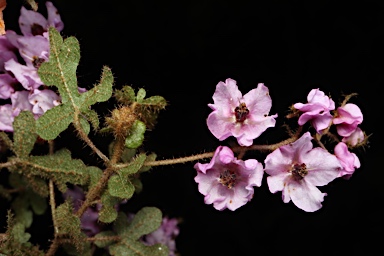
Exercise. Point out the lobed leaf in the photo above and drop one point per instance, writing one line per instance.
(120, 187)
(136, 135)
(54, 121)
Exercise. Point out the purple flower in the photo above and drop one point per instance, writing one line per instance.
(165, 234)
(355, 138)
(33, 23)
(20, 102)
(317, 110)
(6, 86)
(6, 51)
(348, 118)
(297, 169)
(26, 75)
(43, 100)
(6, 118)
(244, 117)
(349, 161)
(226, 181)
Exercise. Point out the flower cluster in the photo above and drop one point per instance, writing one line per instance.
(295, 168)
(20, 57)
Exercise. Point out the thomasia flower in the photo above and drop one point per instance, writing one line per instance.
(297, 169)
(348, 160)
(317, 110)
(244, 117)
(226, 181)
(355, 138)
(348, 118)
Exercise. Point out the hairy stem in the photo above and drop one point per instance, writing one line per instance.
(97, 190)
(86, 139)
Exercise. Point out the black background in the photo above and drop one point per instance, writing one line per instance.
(181, 50)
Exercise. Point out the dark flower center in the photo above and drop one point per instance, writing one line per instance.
(37, 61)
(37, 29)
(228, 178)
(241, 112)
(299, 171)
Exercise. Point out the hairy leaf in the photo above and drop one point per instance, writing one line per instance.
(24, 135)
(136, 135)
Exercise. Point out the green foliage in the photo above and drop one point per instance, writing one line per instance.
(17, 240)
(147, 220)
(136, 135)
(120, 187)
(60, 71)
(5, 140)
(59, 167)
(24, 135)
(102, 243)
(108, 211)
(68, 224)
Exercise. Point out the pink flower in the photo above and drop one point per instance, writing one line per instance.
(165, 234)
(226, 181)
(43, 100)
(348, 118)
(6, 88)
(20, 102)
(349, 161)
(297, 169)
(6, 118)
(244, 117)
(6, 51)
(355, 138)
(33, 23)
(317, 110)
(26, 75)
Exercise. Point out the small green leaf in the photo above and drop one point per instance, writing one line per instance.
(126, 95)
(129, 247)
(151, 157)
(95, 174)
(155, 101)
(140, 95)
(102, 243)
(108, 212)
(38, 203)
(136, 136)
(85, 125)
(24, 135)
(121, 187)
(54, 121)
(134, 166)
(69, 224)
(136, 182)
(18, 232)
(92, 117)
(100, 93)
(5, 139)
(147, 220)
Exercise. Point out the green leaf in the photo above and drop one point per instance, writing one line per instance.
(140, 95)
(69, 224)
(136, 136)
(24, 134)
(54, 121)
(136, 182)
(100, 93)
(126, 95)
(60, 70)
(92, 117)
(102, 243)
(95, 174)
(129, 247)
(155, 101)
(39, 204)
(121, 187)
(108, 212)
(18, 232)
(60, 167)
(151, 157)
(134, 166)
(85, 125)
(147, 220)
(5, 139)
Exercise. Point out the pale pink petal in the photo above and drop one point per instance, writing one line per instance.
(306, 196)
